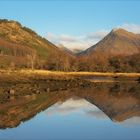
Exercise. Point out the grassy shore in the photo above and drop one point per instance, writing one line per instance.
(60, 74)
(27, 75)
(16, 83)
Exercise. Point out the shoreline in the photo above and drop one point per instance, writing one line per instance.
(25, 75)
(14, 84)
(81, 73)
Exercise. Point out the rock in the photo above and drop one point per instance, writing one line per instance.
(12, 91)
(48, 89)
(37, 91)
(68, 85)
(8, 97)
(139, 79)
(115, 77)
(27, 96)
(12, 97)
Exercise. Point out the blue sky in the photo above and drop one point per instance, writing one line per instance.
(57, 19)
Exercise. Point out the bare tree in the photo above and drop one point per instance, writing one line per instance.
(1, 53)
(66, 64)
(32, 59)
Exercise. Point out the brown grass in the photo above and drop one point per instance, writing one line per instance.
(67, 74)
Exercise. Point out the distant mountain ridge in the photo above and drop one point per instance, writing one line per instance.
(65, 49)
(117, 42)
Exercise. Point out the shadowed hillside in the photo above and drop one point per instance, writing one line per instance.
(22, 42)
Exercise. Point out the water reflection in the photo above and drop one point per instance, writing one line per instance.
(117, 101)
(74, 104)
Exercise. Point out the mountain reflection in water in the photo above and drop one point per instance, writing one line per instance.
(117, 101)
(75, 104)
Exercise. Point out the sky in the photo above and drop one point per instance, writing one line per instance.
(73, 23)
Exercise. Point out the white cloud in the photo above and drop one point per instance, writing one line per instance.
(76, 105)
(83, 42)
(134, 121)
(97, 35)
(135, 28)
(77, 42)
(67, 38)
(82, 106)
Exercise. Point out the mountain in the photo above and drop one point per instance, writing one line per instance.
(18, 43)
(21, 47)
(73, 52)
(117, 42)
(65, 49)
(77, 51)
(119, 51)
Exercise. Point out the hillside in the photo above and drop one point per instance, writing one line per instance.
(117, 42)
(19, 41)
(119, 51)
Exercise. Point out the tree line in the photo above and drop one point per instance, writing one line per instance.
(62, 62)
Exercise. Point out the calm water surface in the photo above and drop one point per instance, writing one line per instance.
(104, 111)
